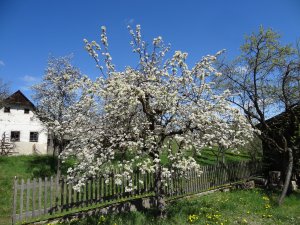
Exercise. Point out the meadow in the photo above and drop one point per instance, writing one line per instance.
(256, 207)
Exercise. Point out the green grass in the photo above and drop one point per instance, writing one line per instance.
(208, 157)
(24, 167)
(236, 207)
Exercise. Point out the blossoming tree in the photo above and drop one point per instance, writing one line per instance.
(60, 97)
(145, 109)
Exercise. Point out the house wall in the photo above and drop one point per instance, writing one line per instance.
(17, 120)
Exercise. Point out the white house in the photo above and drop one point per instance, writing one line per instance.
(21, 127)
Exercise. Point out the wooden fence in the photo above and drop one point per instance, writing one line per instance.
(50, 196)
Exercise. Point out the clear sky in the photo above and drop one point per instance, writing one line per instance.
(33, 30)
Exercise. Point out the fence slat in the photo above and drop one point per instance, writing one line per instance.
(45, 195)
(72, 195)
(62, 190)
(67, 196)
(27, 198)
(14, 219)
(57, 193)
(21, 200)
(77, 199)
(40, 197)
(96, 188)
(207, 177)
(100, 189)
(82, 197)
(92, 191)
(87, 193)
(51, 189)
(33, 197)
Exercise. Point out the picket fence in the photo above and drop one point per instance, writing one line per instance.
(50, 196)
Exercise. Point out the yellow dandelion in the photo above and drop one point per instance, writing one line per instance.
(266, 198)
(267, 206)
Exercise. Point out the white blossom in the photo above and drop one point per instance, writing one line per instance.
(146, 110)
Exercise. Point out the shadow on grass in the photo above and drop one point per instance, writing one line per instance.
(46, 166)
(126, 218)
(42, 166)
(237, 155)
(275, 194)
(204, 160)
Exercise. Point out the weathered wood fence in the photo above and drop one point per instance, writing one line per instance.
(50, 196)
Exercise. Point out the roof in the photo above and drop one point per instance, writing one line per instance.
(281, 117)
(18, 98)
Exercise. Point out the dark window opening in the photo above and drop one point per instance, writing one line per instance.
(15, 136)
(6, 109)
(34, 137)
(26, 111)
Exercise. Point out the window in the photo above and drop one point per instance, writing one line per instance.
(15, 136)
(26, 111)
(34, 137)
(7, 109)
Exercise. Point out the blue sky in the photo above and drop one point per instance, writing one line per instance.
(33, 30)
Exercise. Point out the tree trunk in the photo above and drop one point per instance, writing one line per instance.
(58, 168)
(159, 193)
(217, 158)
(287, 177)
(54, 152)
(223, 156)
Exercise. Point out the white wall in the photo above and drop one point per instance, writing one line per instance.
(17, 120)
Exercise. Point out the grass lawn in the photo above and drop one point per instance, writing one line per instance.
(236, 207)
(208, 157)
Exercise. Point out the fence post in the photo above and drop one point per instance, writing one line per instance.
(33, 197)
(15, 201)
(40, 196)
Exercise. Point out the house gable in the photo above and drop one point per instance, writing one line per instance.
(18, 99)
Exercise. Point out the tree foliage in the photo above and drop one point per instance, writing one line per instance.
(59, 99)
(4, 91)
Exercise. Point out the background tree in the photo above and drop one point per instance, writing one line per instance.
(5, 146)
(4, 91)
(55, 97)
(145, 108)
(265, 80)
